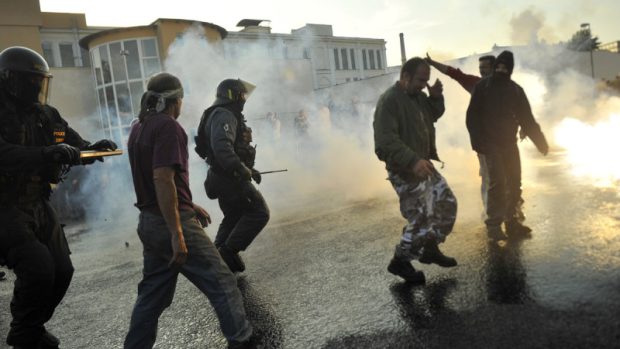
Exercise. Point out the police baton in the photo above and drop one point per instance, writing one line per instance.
(276, 171)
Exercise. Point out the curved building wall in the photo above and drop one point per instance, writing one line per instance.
(122, 69)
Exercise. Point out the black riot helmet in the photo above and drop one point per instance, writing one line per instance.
(233, 91)
(24, 74)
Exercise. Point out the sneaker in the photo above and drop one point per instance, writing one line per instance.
(496, 233)
(515, 229)
(232, 259)
(432, 254)
(406, 271)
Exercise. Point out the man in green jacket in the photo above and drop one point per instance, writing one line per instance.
(405, 140)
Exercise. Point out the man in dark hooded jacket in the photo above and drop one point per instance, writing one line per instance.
(498, 107)
(224, 142)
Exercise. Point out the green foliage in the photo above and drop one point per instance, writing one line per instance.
(583, 40)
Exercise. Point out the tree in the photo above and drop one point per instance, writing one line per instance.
(583, 40)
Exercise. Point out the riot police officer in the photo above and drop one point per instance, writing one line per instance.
(36, 147)
(224, 141)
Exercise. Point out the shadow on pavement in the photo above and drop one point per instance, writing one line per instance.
(267, 327)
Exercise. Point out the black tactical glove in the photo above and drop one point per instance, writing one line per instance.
(256, 176)
(103, 144)
(243, 173)
(62, 154)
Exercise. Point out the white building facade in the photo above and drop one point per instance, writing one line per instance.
(334, 60)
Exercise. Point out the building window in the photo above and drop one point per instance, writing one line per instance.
(48, 53)
(306, 53)
(67, 58)
(122, 70)
(345, 59)
(85, 58)
(379, 60)
(336, 60)
(353, 59)
(132, 59)
(364, 60)
(151, 59)
(105, 64)
(371, 56)
(285, 52)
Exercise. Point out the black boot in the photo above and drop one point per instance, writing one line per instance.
(496, 233)
(515, 229)
(232, 259)
(432, 254)
(406, 271)
(48, 341)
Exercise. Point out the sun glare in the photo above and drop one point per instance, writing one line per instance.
(592, 149)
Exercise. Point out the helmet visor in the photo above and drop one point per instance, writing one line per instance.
(30, 87)
(249, 88)
(44, 90)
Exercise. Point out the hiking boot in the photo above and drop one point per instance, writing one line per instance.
(48, 340)
(432, 254)
(515, 229)
(496, 233)
(406, 271)
(232, 259)
(253, 343)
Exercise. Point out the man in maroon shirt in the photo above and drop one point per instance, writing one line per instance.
(171, 225)
(467, 81)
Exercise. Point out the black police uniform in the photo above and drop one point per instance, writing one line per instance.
(34, 142)
(222, 143)
(32, 241)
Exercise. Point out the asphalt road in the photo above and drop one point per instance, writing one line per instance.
(318, 279)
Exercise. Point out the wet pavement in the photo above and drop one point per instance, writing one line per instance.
(319, 279)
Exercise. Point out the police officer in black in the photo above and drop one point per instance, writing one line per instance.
(36, 147)
(223, 140)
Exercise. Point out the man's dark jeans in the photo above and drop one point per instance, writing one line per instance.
(504, 166)
(204, 268)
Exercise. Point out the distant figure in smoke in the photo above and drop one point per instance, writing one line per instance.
(224, 142)
(171, 226)
(468, 82)
(301, 124)
(498, 107)
(36, 147)
(405, 140)
(276, 125)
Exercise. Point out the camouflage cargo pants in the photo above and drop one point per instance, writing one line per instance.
(430, 209)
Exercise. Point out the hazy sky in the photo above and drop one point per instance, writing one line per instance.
(445, 28)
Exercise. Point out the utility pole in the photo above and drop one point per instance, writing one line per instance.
(591, 44)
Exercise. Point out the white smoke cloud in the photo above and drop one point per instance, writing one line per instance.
(336, 164)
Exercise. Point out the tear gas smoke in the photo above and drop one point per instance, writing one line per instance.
(335, 164)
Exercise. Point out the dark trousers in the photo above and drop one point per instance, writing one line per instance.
(504, 193)
(33, 244)
(245, 215)
(204, 268)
